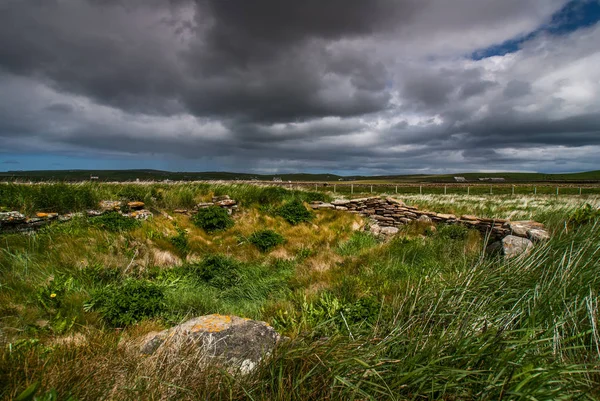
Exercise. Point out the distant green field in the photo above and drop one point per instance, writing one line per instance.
(158, 175)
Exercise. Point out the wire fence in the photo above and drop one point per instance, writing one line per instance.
(440, 189)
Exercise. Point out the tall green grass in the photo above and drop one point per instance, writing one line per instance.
(61, 197)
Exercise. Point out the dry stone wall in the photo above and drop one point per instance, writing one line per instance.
(390, 212)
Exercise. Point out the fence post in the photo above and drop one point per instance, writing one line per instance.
(371, 188)
(397, 188)
(468, 190)
(579, 190)
(315, 187)
(491, 192)
(333, 188)
(420, 190)
(535, 190)
(444, 190)
(513, 189)
(556, 191)
(352, 188)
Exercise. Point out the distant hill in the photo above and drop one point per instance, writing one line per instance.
(158, 175)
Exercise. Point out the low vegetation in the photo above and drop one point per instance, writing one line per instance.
(426, 315)
(213, 219)
(266, 240)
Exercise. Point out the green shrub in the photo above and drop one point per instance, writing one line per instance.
(217, 270)
(129, 302)
(584, 215)
(213, 218)
(180, 241)
(115, 222)
(265, 240)
(295, 212)
(453, 231)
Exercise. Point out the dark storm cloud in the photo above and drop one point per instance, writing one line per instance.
(263, 60)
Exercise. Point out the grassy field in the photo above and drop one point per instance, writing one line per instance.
(426, 315)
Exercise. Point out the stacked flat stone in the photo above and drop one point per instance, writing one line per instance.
(390, 212)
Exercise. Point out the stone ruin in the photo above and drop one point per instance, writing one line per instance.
(387, 214)
(11, 222)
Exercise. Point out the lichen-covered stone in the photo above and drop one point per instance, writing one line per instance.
(237, 342)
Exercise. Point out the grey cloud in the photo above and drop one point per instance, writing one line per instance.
(517, 88)
(337, 85)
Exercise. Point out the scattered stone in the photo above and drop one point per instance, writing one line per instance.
(343, 208)
(322, 206)
(220, 198)
(340, 202)
(48, 216)
(110, 205)
(511, 246)
(141, 214)
(389, 231)
(136, 205)
(424, 219)
(240, 344)
(12, 218)
(520, 228)
(468, 217)
(538, 235)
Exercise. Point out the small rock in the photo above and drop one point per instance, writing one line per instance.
(322, 206)
(141, 214)
(221, 198)
(340, 202)
(538, 235)
(110, 205)
(424, 219)
(136, 205)
(389, 231)
(10, 218)
(511, 246)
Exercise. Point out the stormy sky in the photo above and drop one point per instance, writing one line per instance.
(343, 86)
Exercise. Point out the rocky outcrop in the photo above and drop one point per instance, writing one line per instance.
(511, 247)
(236, 342)
(390, 212)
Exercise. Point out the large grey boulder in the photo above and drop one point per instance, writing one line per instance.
(511, 246)
(237, 342)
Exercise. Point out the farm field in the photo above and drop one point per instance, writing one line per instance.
(426, 314)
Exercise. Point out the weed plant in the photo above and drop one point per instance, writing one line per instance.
(266, 240)
(294, 212)
(213, 218)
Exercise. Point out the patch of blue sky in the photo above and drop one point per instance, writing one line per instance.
(574, 15)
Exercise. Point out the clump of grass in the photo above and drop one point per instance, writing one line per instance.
(213, 218)
(127, 303)
(584, 215)
(359, 242)
(294, 212)
(266, 240)
(180, 241)
(453, 231)
(115, 222)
